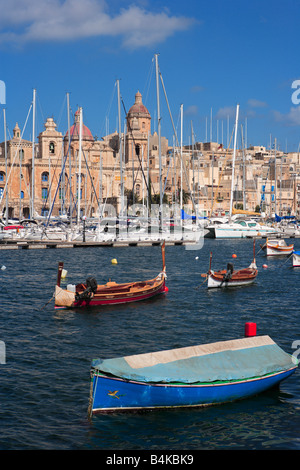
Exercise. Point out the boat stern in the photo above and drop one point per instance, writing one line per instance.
(63, 297)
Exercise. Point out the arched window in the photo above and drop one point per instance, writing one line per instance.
(45, 176)
(52, 147)
(2, 176)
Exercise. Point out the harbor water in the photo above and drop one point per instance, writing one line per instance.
(45, 378)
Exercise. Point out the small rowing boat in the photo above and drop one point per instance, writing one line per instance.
(278, 247)
(296, 259)
(230, 277)
(90, 294)
(193, 376)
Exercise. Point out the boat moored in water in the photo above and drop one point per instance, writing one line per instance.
(296, 259)
(200, 375)
(278, 247)
(91, 294)
(240, 228)
(230, 277)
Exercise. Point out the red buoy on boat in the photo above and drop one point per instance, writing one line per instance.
(250, 329)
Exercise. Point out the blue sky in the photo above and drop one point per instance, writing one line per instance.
(213, 54)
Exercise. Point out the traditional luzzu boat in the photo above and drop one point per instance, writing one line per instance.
(91, 294)
(296, 259)
(278, 248)
(194, 376)
(230, 277)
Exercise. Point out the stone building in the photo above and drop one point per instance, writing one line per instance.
(50, 175)
(54, 167)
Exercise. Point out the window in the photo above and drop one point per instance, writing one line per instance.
(22, 195)
(44, 193)
(45, 177)
(1, 192)
(51, 148)
(2, 176)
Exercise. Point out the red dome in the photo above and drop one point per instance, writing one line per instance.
(75, 130)
(138, 107)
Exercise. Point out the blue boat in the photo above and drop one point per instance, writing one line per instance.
(201, 375)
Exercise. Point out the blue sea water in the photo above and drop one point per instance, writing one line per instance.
(45, 381)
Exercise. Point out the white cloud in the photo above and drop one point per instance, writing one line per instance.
(256, 103)
(191, 110)
(64, 20)
(292, 118)
(223, 113)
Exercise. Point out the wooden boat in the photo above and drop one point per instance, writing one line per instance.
(230, 277)
(92, 294)
(278, 248)
(296, 259)
(200, 375)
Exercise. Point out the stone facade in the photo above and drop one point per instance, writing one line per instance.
(205, 173)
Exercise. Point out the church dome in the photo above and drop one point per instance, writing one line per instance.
(75, 130)
(138, 108)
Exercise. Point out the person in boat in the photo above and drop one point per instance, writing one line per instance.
(228, 274)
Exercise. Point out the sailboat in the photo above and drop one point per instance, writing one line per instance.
(238, 227)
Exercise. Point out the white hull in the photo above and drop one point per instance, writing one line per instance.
(296, 260)
(277, 252)
(241, 229)
(278, 248)
(212, 283)
(234, 233)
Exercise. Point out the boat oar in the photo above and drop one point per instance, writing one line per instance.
(48, 301)
(202, 275)
(286, 260)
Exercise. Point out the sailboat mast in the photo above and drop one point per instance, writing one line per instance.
(33, 156)
(181, 138)
(233, 159)
(120, 149)
(5, 152)
(159, 142)
(275, 177)
(70, 164)
(79, 166)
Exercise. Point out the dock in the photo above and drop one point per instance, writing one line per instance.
(52, 244)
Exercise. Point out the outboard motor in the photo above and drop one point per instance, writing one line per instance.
(229, 272)
(91, 288)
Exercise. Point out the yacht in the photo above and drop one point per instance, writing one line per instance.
(240, 228)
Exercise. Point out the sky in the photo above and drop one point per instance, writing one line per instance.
(212, 55)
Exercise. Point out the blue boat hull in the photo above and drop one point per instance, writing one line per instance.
(113, 394)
